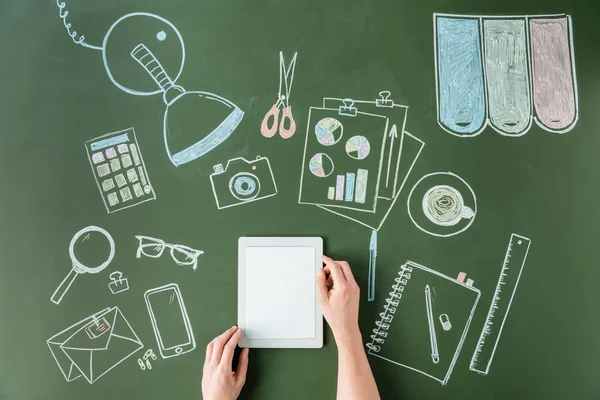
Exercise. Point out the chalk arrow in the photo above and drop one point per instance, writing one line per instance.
(393, 134)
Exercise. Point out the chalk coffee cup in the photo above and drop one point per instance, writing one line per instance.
(444, 206)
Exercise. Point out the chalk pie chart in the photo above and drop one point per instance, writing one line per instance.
(358, 147)
(329, 131)
(321, 165)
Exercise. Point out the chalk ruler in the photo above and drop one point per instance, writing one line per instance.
(514, 261)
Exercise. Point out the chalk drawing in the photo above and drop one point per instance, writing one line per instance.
(445, 321)
(117, 283)
(79, 239)
(435, 355)
(176, 96)
(461, 97)
(377, 144)
(445, 209)
(553, 70)
(321, 165)
(443, 205)
(358, 147)
(286, 76)
(63, 14)
(217, 118)
(329, 131)
(242, 181)
(399, 157)
(94, 346)
(392, 135)
(507, 75)
(361, 154)
(402, 319)
(144, 362)
(170, 320)
(339, 187)
(510, 274)
(372, 266)
(119, 170)
(518, 68)
(154, 248)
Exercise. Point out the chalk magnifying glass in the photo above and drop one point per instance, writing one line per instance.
(92, 241)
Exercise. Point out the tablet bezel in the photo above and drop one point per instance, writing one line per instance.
(317, 244)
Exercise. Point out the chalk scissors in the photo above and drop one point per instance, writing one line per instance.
(286, 78)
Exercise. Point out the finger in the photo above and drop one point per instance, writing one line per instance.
(209, 350)
(328, 276)
(242, 368)
(219, 344)
(227, 358)
(336, 271)
(347, 270)
(322, 291)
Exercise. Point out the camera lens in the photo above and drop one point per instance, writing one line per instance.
(244, 186)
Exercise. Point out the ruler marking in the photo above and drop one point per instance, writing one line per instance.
(482, 353)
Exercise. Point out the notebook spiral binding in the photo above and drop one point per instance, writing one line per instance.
(380, 332)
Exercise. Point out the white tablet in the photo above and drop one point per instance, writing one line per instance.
(277, 297)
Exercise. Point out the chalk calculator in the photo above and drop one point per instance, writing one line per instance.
(119, 170)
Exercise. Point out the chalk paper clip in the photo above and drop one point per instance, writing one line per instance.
(348, 108)
(384, 100)
(149, 354)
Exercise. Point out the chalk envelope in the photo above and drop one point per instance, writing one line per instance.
(554, 87)
(461, 96)
(94, 345)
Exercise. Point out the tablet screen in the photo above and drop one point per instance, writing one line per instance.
(280, 293)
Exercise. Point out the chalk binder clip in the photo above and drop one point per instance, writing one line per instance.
(348, 108)
(384, 100)
(118, 284)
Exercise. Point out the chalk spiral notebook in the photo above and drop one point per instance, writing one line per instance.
(424, 321)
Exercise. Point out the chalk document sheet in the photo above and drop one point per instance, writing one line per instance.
(279, 296)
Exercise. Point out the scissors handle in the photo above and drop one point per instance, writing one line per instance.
(265, 130)
(287, 115)
(61, 290)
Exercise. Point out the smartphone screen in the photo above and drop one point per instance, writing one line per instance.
(170, 321)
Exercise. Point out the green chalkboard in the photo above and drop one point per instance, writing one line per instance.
(508, 108)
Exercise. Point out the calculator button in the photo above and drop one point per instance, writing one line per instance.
(112, 199)
(97, 157)
(103, 169)
(111, 153)
(120, 179)
(147, 189)
(135, 154)
(108, 184)
(142, 175)
(137, 189)
(126, 160)
(132, 175)
(123, 148)
(115, 164)
(125, 194)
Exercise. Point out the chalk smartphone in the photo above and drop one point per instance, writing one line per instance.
(277, 293)
(170, 321)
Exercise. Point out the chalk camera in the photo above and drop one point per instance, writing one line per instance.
(242, 181)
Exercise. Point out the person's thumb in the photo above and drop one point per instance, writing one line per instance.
(322, 291)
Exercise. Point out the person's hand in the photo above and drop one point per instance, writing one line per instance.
(340, 304)
(219, 382)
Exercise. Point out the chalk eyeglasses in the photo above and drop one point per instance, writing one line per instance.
(154, 248)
